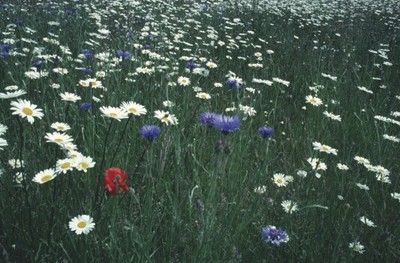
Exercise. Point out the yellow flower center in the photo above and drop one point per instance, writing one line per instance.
(27, 111)
(113, 114)
(324, 148)
(84, 165)
(279, 181)
(65, 165)
(58, 140)
(45, 178)
(61, 128)
(132, 110)
(82, 224)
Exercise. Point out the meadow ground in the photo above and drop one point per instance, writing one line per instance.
(199, 131)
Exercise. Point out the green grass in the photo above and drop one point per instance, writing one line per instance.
(191, 191)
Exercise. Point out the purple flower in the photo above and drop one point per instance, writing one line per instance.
(150, 132)
(6, 47)
(87, 53)
(4, 54)
(226, 124)
(85, 106)
(124, 54)
(273, 235)
(231, 82)
(266, 132)
(207, 118)
(87, 70)
(192, 65)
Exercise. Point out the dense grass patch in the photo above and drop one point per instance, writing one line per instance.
(84, 178)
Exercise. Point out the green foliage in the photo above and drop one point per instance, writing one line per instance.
(196, 194)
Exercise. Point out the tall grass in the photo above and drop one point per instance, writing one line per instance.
(195, 193)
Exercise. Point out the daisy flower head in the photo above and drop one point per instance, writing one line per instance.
(67, 96)
(395, 196)
(361, 160)
(316, 164)
(183, 81)
(64, 165)
(114, 112)
(81, 224)
(59, 138)
(3, 143)
(203, 96)
(289, 206)
(357, 247)
(134, 108)
(324, 148)
(166, 117)
(362, 186)
(25, 109)
(45, 176)
(16, 163)
(3, 129)
(82, 163)
(12, 94)
(280, 180)
(260, 189)
(366, 221)
(60, 126)
(342, 167)
(274, 236)
(315, 101)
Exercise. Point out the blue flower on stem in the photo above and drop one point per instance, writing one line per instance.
(207, 118)
(226, 124)
(150, 132)
(273, 235)
(266, 132)
(124, 54)
(85, 106)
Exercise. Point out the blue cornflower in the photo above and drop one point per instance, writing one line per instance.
(87, 53)
(4, 54)
(147, 46)
(87, 70)
(150, 132)
(192, 65)
(273, 235)
(226, 124)
(6, 47)
(124, 54)
(231, 82)
(38, 64)
(266, 132)
(85, 106)
(207, 118)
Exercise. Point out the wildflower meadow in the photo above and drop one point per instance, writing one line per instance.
(199, 131)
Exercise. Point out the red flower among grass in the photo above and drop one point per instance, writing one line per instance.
(114, 180)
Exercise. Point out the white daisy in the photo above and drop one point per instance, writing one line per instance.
(44, 176)
(25, 109)
(81, 224)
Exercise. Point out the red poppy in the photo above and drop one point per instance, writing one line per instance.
(114, 180)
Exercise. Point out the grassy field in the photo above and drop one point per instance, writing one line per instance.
(199, 131)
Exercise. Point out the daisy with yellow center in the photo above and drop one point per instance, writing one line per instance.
(64, 165)
(44, 176)
(25, 109)
(114, 112)
(313, 100)
(324, 148)
(134, 108)
(280, 180)
(166, 117)
(183, 81)
(203, 95)
(81, 224)
(60, 126)
(289, 206)
(59, 138)
(82, 163)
